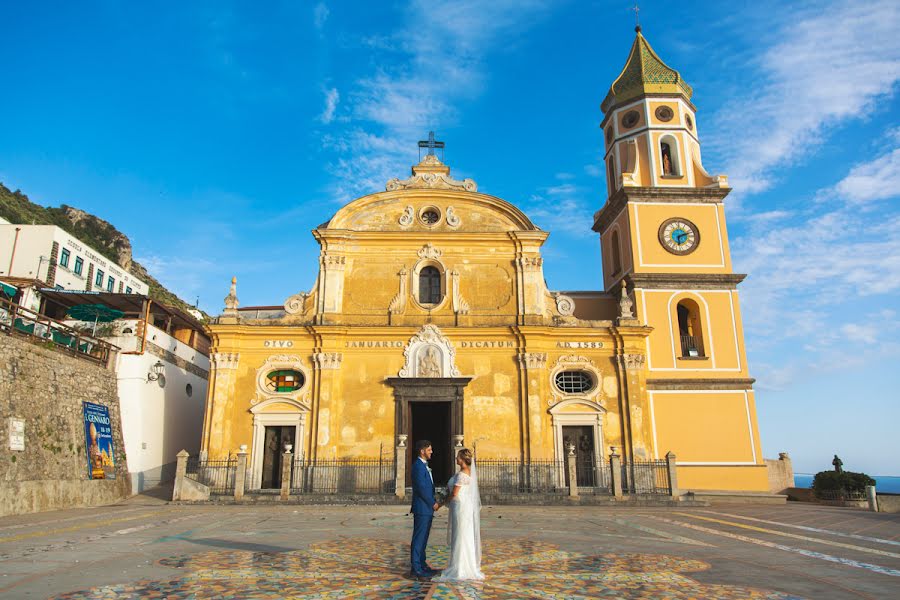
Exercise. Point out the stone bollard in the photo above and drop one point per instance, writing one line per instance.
(400, 476)
(240, 476)
(673, 476)
(872, 498)
(573, 471)
(615, 472)
(287, 462)
(180, 471)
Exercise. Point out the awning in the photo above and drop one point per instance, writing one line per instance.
(7, 289)
(131, 304)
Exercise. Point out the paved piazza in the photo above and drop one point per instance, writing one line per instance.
(145, 548)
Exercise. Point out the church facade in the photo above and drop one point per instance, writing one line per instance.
(430, 318)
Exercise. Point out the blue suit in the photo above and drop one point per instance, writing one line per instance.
(423, 513)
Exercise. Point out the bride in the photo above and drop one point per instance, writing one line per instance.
(464, 528)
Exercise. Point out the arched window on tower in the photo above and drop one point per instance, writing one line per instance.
(689, 329)
(668, 152)
(611, 174)
(616, 253)
(429, 286)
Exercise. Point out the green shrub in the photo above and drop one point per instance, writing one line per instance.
(832, 481)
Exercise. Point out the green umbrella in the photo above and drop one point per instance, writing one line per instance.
(98, 313)
(7, 289)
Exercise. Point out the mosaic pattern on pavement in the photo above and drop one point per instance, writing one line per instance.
(516, 569)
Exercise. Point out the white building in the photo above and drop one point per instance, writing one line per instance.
(162, 371)
(50, 254)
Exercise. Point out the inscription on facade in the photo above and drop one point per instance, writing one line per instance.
(464, 344)
(278, 344)
(562, 344)
(375, 344)
(488, 344)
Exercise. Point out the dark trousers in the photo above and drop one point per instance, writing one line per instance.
(421, 529)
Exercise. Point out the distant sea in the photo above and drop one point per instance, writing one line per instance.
(888, 485)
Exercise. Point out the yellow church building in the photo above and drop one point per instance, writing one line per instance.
(430, 318)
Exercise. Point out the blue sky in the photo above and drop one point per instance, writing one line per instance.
(218, 135)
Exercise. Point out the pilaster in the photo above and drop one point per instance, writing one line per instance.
(223, 374)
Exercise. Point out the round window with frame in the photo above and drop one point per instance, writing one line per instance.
(430, 216)
(284, 381)
(574, 381)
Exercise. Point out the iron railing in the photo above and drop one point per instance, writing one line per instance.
(217, 475)
(343, 476)
(840, 495)
(691, 346)
(21, 321)
(501, 476)
(592, 477)
(648, 477)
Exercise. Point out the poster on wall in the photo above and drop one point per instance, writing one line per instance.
(99, 442)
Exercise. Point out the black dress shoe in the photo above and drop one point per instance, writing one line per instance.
(432, 572)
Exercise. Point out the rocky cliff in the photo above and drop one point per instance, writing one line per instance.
(103, 236)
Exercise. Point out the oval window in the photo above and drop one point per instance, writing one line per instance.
(574, 382)
(630, 119)
(284, 380)
(189, 390)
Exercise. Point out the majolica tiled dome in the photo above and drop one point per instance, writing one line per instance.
(644, 73)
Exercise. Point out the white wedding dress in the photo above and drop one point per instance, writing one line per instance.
(464, 531)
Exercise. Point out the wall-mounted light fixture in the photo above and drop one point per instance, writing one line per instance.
(156, 371)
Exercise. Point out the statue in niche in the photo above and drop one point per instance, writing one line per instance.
(429, 366)
(666, 159)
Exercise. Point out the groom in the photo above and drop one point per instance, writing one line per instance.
(423, 508)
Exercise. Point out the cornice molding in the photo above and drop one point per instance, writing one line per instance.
(691, 281)
(740, 383)
(605, 216)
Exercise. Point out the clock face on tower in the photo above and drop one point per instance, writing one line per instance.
(679, 236)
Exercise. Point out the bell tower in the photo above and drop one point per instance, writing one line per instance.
(662, 232)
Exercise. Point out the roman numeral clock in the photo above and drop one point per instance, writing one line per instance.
(679, 236)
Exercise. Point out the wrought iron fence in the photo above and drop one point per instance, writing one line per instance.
(500, 476)
(841, 495)
(18, 320)
(343, 476)
(218, 475)
(649, 477)
(691, 345)
(591, 476)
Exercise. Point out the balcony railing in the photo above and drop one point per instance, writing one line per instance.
(21, 321)
(691, 346)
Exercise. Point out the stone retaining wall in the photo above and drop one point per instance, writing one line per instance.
(45, 388)
(888, 503)
(781, 473)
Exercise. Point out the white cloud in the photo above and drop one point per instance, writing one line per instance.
(593, 170)
(440, 47)
(320, 15)
(832, 64)
(875, 180)
(332, 97)
(561, 208)
(858, 332)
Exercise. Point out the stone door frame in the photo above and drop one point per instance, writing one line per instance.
(260, 422)
(428, 389)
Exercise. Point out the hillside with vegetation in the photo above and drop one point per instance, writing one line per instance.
(102, 236)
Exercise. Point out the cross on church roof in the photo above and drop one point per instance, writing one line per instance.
(431, 144)
(637, 17)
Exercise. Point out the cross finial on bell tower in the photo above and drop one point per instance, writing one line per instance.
(637, 17)
(431, 144)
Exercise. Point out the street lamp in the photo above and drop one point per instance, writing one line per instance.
(156, 371)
